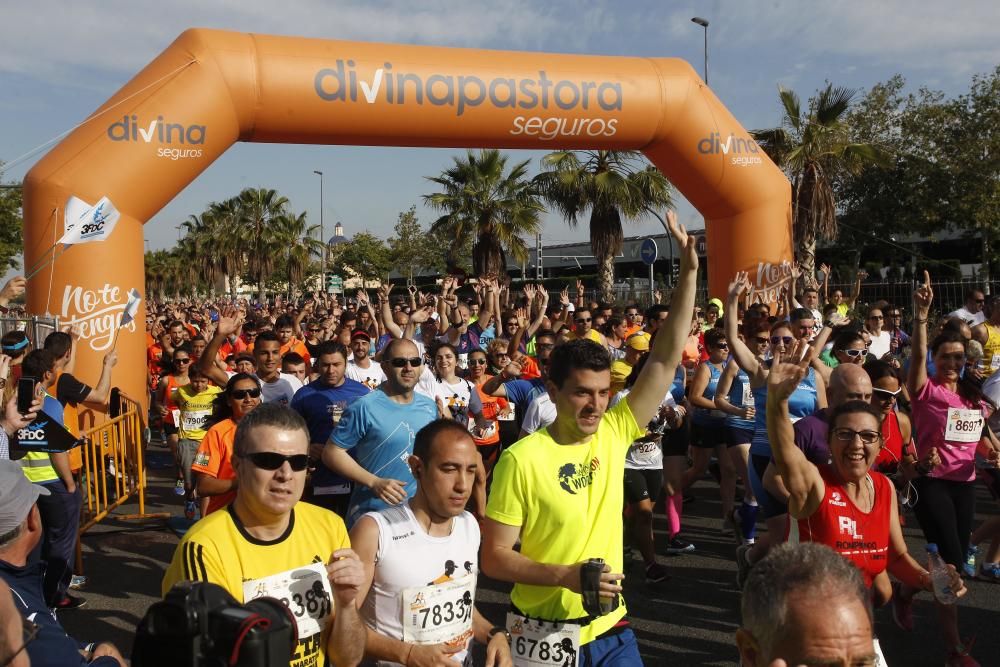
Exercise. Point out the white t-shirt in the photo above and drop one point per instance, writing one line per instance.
(281, 390)
(972, 318)
(540, 413)
(645, 454)
(880, 344)
(371, 377)
(427, 384)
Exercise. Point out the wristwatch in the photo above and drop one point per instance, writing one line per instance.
(496, 630)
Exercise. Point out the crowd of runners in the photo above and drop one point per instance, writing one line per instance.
(363, 460)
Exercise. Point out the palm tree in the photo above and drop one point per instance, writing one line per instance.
(256, 212)
(493, 206)
(814, 148)
(613, 186)
(298, 245)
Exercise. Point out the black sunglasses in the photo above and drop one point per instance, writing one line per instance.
(477, 362)
(274, 460)
(400, 362)
(787, 340)
(581, 320)
(182, 361)
(240, 394)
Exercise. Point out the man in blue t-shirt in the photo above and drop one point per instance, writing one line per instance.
(322, 404)
(374, 439)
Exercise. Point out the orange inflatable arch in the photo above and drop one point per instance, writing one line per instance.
(211, 88)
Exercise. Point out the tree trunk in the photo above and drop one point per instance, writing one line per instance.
(606, 278)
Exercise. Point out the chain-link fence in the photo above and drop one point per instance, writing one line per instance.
(35, 327)
(949, 295)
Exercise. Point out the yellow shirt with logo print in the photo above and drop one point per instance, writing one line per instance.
(568, 501)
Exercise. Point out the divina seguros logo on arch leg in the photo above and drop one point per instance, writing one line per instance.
(174, 140)
(540, 95)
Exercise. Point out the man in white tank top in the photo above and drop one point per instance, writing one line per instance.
(421, 560)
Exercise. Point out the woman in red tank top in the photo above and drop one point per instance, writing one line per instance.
(897, 453)
(843, 505)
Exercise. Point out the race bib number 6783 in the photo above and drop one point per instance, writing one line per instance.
(537, 643)
(304, 590)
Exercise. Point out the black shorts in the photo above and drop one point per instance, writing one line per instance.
(675, 441)
(708, 436)
(170, 429)
(642, 484)
(738, 436)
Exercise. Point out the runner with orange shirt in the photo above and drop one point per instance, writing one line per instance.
(216, 481)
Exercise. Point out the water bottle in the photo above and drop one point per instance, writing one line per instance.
(940, 576)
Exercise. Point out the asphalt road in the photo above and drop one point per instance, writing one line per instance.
(689, 620)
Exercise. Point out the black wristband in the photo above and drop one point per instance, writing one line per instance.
(495, 630)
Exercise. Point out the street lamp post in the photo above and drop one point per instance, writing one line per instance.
(704, 24)
(322, 233)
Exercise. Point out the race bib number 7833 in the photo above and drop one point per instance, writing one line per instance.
(439, 613)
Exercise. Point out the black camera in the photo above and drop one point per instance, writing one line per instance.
(201, 625)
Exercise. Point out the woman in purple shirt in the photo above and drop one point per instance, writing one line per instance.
(948, 419)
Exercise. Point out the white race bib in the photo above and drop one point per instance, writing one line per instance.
(963, 425)
(440, 613)
(506, 415)
(176, 416)
(542, 643)
(195, 421)
(995, 362)
(304, 590)
(747, 395)
(645, 452)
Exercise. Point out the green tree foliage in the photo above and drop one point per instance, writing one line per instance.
(412, 249)
(366, 255)
(11, 226)
(944, 169)
(814, 147)
(495, 207)
(613, 186)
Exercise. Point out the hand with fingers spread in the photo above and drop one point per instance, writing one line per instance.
(564, 296)
(513, 369)
(739, 286)
(529, 291)
(229, 322)
(788, 371)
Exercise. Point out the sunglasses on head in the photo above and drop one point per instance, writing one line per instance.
(787, 340)
(240, 394)
(274, 460)
(885, 394)
(400, 362)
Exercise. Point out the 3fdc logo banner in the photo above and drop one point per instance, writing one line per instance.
(45, 435)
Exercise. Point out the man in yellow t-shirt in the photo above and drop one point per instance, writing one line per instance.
(635, 347)
(267, 543)
(195, 401)
(560, 490)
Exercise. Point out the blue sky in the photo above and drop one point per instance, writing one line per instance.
(60, 60)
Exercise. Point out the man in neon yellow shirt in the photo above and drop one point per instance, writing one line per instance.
(561, 491)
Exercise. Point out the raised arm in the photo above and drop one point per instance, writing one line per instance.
(540, 305)
(801, 478)
(229, 323)
(746, 359)
(386, 309)
(658, 374)
(825, 268)
(916, 378)
(856, 292)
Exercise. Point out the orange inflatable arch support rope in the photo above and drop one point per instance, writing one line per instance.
(212, 88)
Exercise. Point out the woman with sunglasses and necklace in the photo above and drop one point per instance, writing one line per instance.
(809, 396)
(165, 403)
(734, 396)
(843, 505)
(216, 480)
(494, 408)
(948, 416)
(897, 454)
(709, 424)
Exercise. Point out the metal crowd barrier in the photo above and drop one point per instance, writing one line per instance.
(113, 468)
(36, 328)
